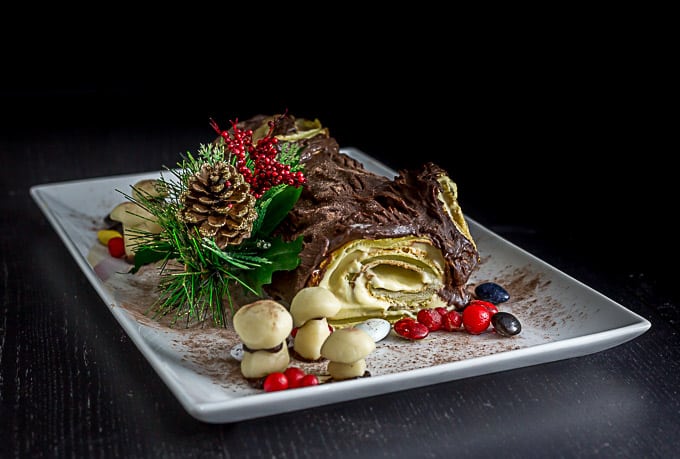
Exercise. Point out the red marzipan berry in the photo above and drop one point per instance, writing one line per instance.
(295, 376)
(431, 318)
(418, 331)
(493, 309)
(309, 380)
(410, 329)
(275, 381)
(116, 247)
(442, 311)
(452, 321)
(476, 319)
(401, 325)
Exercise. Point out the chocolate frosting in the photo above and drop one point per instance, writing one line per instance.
(342, 202)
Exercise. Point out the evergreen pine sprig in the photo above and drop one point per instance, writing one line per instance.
(204, 276)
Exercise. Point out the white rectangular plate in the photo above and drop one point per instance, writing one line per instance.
(561, 318)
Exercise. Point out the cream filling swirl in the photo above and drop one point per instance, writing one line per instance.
(386, 278)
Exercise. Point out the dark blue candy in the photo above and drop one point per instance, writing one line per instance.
(491, 292)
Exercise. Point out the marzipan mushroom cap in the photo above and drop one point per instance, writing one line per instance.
(148, 188)
(347, 345)
(313, 303)
(263, 324)
(130, 213)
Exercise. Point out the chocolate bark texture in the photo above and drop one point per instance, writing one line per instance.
(386, 247)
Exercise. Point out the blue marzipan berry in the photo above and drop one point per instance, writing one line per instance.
(491, 292)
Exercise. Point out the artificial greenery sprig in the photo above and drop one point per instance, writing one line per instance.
(197, 287)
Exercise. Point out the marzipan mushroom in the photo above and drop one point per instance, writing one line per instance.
(263, 327)
(310, 337)
(148, 189)
(309, 309)
(346, 349)
(340, 371)
(312, 303)
(136, 221)
(258, 364)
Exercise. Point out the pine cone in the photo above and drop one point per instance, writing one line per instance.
(219, 203)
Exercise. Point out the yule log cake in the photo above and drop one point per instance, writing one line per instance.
(386, 247)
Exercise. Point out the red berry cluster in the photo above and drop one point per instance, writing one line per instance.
(291, 378)
(266, 171)
(475, 319)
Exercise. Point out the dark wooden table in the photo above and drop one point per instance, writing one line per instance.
(72, 384)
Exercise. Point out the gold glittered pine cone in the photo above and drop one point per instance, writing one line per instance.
(219, 203)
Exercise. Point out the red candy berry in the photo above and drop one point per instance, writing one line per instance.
(401, 325)
(275, 382)
(291, 378)
(493, 309)
(452, 321)
(116, 247)
(431, 318)
(476, 318)
(410, 329)
(295, 376)
(309, 380)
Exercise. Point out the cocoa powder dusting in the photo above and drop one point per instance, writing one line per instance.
(205, 349)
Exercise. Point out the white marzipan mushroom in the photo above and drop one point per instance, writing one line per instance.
(262, 326)
(347, 370)
(313, 303)
(346, 350)
(309, 308)
(259, 364)
(148, 189)
(136, 221)
(310, 337)
(347, 345)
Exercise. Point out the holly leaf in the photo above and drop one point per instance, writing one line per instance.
(275, 207)
(283, 256)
